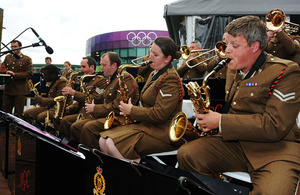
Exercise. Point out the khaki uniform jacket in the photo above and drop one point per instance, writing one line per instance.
(67, 74)
(284, 46)
(197, 72)
(23, 70)
(96, 88)
(55, 90)
(265, 125)
(110, 98)
(161, 100)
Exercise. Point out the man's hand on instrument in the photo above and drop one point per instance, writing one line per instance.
(68, 91)
(89, 108)
(125, 109)
(208, 121)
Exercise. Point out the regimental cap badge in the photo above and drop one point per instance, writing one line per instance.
(99, 182)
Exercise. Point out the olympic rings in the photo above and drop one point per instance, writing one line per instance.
(141, 38)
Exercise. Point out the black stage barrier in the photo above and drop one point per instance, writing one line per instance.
(108, 175)
(6, 150)
(44, 165)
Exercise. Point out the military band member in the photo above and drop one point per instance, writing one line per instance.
(258, 134)
(161, 99)
(67, 71)
(38, 114)
(282, 45)
(196, 72)
(95, 85)
(87, 131)
(19, 66)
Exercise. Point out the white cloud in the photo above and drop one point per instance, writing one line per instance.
(66, 25)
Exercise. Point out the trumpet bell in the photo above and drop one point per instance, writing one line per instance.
(275, 19)
(185, 52)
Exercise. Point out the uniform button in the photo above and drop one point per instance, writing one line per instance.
(274, 51)
(274, 44)
(13, 67)
(227, 92)
(237, 87)
(272, 59)
(251, 94)
(234, 103)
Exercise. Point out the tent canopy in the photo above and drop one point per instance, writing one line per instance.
(176, 11)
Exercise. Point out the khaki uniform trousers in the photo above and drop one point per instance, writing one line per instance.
(36, 114)
(90, 133)
(14, 101)
(210, 155)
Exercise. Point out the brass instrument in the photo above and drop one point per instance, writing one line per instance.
(61, 101)
(186, 51)
(180, 126)
(86, 93)
(35, 91)
(221, 47)
(110, 119)
(276, 19)
(47, 120)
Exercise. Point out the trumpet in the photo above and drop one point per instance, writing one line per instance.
(221, 47)
(276, 19)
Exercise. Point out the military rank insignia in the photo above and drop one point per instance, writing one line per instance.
(99, 182)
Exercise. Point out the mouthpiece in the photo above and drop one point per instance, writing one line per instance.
(146, 63)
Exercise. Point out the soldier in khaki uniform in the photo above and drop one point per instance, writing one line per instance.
(196, 72)
(282, 45)
(19, 66)
(94, 87)
(161, 100)
(259, 133)
(87, 131)
(68, 70)
(50, 74)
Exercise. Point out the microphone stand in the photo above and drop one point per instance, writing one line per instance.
(38, 44)
(14, 38)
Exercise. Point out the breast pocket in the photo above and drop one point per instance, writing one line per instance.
(111, 95)
(253, 99)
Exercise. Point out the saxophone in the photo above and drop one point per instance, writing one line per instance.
(61, 101)
(111, 119)
(86, 93)
(180, 126)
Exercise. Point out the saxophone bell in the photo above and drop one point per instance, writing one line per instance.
(111, 121)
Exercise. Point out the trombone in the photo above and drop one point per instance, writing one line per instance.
(276, 18)
(221, 47)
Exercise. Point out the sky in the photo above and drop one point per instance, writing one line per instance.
(66, 25)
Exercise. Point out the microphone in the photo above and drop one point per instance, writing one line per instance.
(48, 48)
(221, 64)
